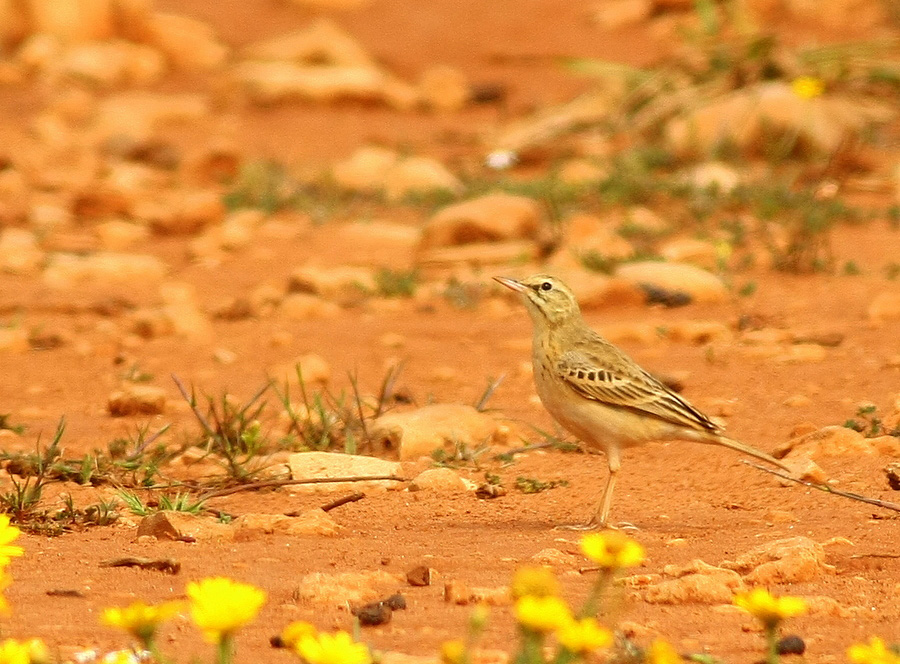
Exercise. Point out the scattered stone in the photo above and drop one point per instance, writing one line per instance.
(375, 613)
(696, 583)
(183, 526)
(697, 284)
(322, 42)
(617, 14)
(181, 309)
(701, 253)
(488, 491)
(187, 43)
(341, 588)
(892, 471)
(798, 401)
(438, 426)
(802, 353)
(714, 176)
(581, 172)
(14, 340)
(439, 480)
(489, 218)
(590, 236)
(479, 255)
(791, 560)
(821, 605)
(366, 169)
(312, 522)
(19, 251)
(885, 306)
(134, 399)
(830, 441)
(117, 235)
(804, 468)
(181, 212)
(279, 82)
(303, 306)
(327, 465)
(790, 645)
(555, 557)
(699, 332)
(419, 175)
(70, 271)
(457, 592)
(344, 285)
(419, 576)
(312, 368)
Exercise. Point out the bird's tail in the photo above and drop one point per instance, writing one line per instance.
(737, 446)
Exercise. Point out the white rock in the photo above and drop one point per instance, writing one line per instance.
(438, 426)
(322, 42)
(327, 465)
(70, 271)
(791, 560)
(366, 169)
(341, 588)
(341, 284)
(439, 480)
(135, 399)
(273, 82)
(615, 14)
(312, 522)
(187, 43)
(419, 175)
(118, 235)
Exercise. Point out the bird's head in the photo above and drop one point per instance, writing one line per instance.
(548, 300)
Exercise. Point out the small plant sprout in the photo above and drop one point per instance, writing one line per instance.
(220, 607)
(770, 611)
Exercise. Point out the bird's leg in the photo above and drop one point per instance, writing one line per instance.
(601, 515)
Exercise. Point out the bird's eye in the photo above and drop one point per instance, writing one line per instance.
(546, 286)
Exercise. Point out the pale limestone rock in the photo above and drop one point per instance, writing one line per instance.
(314, 369)
(137, 114)
(644, 220)
(831, 441)
(73, 20)
(714, 175)
(278, 81)
(489, 218)
(582, 172)
(439, 480)
(13, 340)
(690, 250)
(885, 306)
(312, 522)
(187, 43)
(798, 401)
(366, 169)
(697, 583)
(136, 399)
(181, 212)
(180, 307)
(444, 88)
(438, 426)
(341, 588)
(71, 271)
(19, 251)
(344, 285)
(118, 235)
(802, 353)
(554, 557)
(586, 233)
(323, 41)
(182, 525)
(419, 175)
(325, 465)
(108, 64)
(50, 216)
(457, 592)
(821, 605)
(303, 306)
(616, 14)
(791, 560)
(698, 284)
(382, 237)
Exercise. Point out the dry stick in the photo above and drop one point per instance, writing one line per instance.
(265, 484)
(827, 489)
(350, 498)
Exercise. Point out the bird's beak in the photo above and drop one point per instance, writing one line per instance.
(512, 284)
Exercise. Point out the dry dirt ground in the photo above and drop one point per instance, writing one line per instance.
(688, 501)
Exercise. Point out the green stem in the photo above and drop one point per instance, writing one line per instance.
(592, 603)
(772, 644)
(532, 648)
(225, 652)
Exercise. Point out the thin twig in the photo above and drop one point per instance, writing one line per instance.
(359, 407)
(265, 484)
(349, 498)
(492, 386)
(193, 404)
(827, 489)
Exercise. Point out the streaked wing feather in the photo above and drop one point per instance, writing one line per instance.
(635, 389)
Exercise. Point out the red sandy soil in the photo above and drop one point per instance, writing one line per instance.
(688, 501)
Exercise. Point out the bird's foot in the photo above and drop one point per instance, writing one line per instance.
(595, 525)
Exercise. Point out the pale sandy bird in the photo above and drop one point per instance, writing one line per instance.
(598, 393)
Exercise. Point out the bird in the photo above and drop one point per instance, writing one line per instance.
(598, 393)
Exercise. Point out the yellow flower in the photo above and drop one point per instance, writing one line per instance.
(535, 581)
(542, 614)
(14, 652)
(807, 87)
(612, 549)
(583, 636)
(5, 580)
(875, 652)
(660, 652)
(220, 606)
(38, 653)
(767, 609)
(453, 652)
(337, 648)
(140, 619)
(290, 636)
(7, 534)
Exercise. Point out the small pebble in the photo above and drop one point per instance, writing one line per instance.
(791, 645)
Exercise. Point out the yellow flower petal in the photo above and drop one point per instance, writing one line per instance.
(612, 550)
(874, 652)
(453, 652)
(336, 648)
(14, 652)
(660, 652)
(220, 606)
(766, 608)
(583, 636)
(8, 533)
(140, 619)
(536, 581)
(542, 614)
(807, 87)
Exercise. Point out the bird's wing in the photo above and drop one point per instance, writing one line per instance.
(629, 386)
